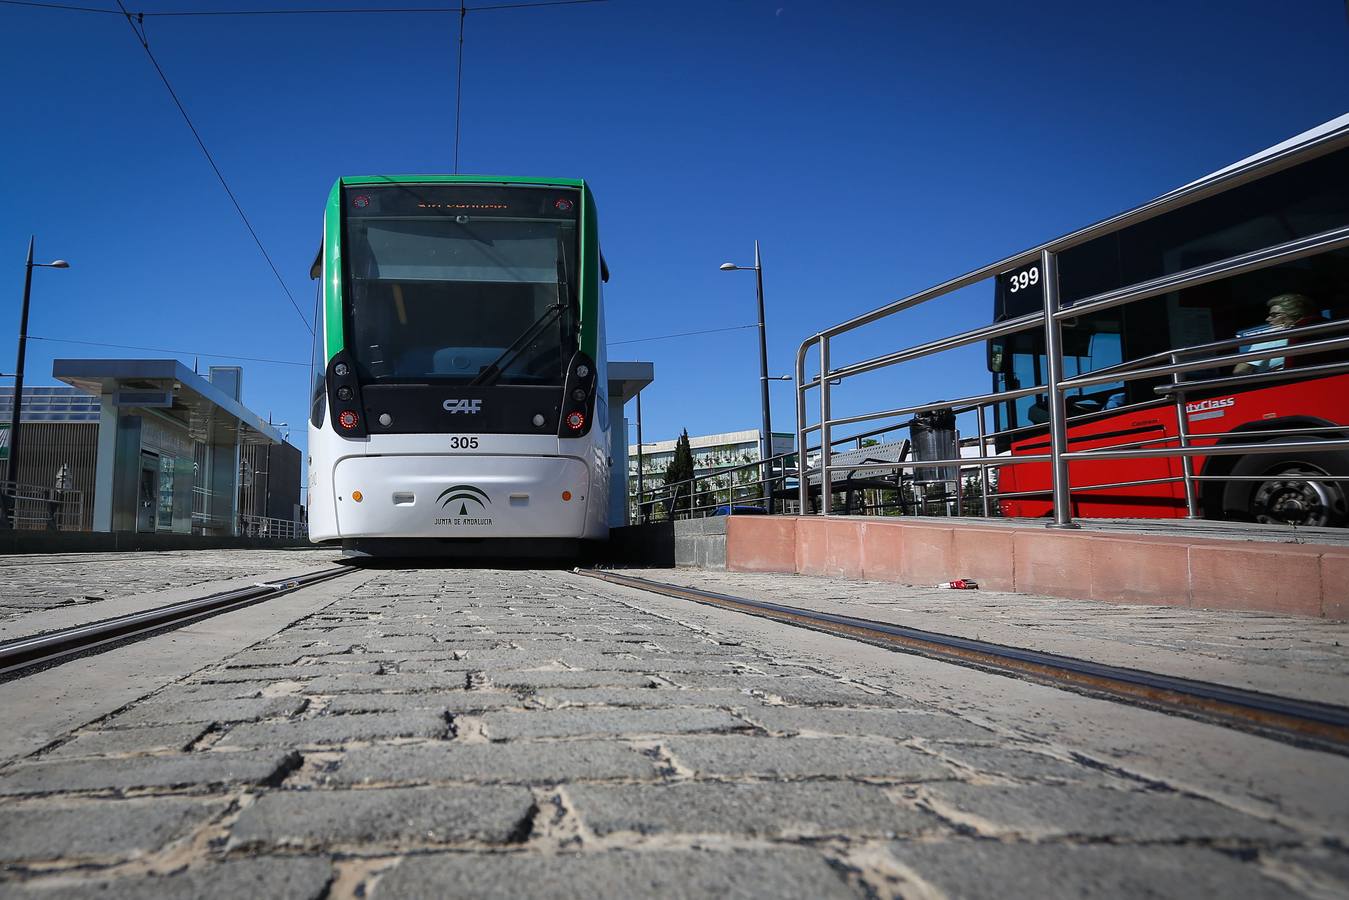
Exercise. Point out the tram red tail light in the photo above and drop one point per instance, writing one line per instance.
(347, 419)
(576, 420)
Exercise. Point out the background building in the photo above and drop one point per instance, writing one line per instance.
(148, 446)
(710, 451)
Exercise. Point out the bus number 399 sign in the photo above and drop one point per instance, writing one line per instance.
(1019, 281)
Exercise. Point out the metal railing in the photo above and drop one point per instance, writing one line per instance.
(30, 507)
(1052, 317)
(265, 526)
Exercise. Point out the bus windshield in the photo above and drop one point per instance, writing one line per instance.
(446, 282)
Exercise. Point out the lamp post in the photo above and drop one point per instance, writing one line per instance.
(12, 461)
(641, 519)
(766, 437)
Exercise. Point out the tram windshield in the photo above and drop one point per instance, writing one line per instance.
(446, 282)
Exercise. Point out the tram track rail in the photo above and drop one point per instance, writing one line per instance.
(25, 655)
(1303, 722)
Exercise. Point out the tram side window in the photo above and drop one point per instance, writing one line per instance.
(318, 366)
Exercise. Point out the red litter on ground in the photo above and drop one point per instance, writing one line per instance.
(960, 584)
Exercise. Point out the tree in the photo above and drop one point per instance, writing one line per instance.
(680, 470)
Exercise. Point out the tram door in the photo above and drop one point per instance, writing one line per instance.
(147, 496)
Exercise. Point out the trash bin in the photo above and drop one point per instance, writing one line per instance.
(933, 436)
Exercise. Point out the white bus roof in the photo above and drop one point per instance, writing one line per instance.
(1339, 123)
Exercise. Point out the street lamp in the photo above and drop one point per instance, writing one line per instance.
(12, 461)
(766, 438)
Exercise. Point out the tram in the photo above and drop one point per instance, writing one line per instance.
(459, 367)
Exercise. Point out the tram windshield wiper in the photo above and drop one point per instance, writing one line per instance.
(492, 372)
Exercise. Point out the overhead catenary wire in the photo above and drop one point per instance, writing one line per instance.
(327, 11)
(459, 85)
(140, 38)
(260, 359)
(663, 337)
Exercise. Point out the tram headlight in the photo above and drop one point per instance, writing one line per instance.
(347, 419)
(344, 393)
(576, 420)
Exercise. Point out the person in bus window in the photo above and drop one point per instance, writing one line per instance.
(1285, 311)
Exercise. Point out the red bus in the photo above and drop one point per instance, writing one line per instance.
(1298, 398)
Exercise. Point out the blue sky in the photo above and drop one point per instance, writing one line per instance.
(874, 148)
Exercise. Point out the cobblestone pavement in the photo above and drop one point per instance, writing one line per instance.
(1302, 657)
(440, 733)
(30, 583)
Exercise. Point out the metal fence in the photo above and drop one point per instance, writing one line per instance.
(1173, 364)
(264, 526)
(29, 507)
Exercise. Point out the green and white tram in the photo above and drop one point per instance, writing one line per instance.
(459, 366)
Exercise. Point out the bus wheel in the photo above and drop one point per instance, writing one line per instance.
(1284, 501)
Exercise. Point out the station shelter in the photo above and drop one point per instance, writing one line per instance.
(146, 445)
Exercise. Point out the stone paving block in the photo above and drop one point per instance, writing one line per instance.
(251, 709)
(644, 697)
(334, 684)
(195, 693)
(153, 738)
(545, 679)
(579, 722)
(820, 691)
(339, 729)
(1327, 866)
(415, 816)
(806, 809)
(1089, 811)
(188, 769)
(990, 870)
(882, 722)
(514, 763)
(285, 655)
(765, 757)
(444, 701)
(98, 828)
(1013, 763)
(622, 875)
(259, 673)
(294, 878)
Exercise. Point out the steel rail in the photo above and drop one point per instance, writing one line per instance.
(52, 647)
(1303, 721)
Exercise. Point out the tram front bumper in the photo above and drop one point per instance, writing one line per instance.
(461, 496)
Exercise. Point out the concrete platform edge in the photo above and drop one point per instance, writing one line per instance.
(1292, 579)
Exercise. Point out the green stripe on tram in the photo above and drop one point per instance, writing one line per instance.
(588, 289)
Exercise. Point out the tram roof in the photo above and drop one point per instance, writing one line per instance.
(462, 179)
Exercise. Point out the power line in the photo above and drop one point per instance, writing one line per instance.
(662, 337)
(303, 12)
(459, 85)
(140, 37)
(279, 362)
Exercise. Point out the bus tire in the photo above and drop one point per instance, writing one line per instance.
(1283, 502)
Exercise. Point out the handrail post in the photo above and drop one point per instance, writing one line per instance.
(1183, 435)
(802, 479)
(1058, 413)
(983, 467)
(826, 487)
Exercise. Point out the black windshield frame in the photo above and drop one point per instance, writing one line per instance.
(439, 279)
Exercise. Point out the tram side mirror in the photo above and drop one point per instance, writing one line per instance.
(604, 270)
(997, 356)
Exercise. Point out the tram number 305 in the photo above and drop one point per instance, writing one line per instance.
(463, 443)
(1019, 281)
